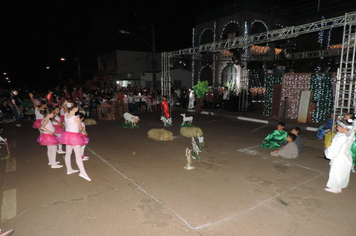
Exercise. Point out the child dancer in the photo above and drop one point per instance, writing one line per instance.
(126, 103)
(63, 111)
(71, 137)
(59, 129)
(149, 101)
(39, 117)
(340, 157)
(84, 136)
(47, 137)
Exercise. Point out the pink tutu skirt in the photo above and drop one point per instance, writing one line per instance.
(37, 124)
(85, 138)
(72, 139)
(47, 140)
(62, 118)
(58, 129)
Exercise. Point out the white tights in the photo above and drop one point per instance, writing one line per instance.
(78, 159)
(82, 148)
(60, 147)
(51, 154)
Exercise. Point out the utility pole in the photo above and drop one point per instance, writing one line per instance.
(154, 63)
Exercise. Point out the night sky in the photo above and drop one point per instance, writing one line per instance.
(36, 34)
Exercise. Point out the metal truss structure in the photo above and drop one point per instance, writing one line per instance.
(345, 94)
(266, 37)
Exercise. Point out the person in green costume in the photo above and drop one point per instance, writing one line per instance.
(274, 139)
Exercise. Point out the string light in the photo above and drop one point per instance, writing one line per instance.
(259, 21)
(201, 34)
(322, 87)
(292, 86)
(223, 30)
(270, 80)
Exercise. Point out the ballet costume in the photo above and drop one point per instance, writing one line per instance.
(86, 141)
(62, 115)
(73, 140)
(51, 141)
(38, 122)
(58, 131)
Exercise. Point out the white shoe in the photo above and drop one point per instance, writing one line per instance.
(85, 158)
(56, 166)
(61, 152)
(333, 190)
(57, 162)
(72, 172)
(85, 177)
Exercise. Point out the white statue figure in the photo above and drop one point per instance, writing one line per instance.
(191, 99)
(200, 141)
(166, 121)
(195, 150)
(188, 154)
(187, 120)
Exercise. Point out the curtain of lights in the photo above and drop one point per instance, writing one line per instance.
(270, 80)
(322, 87)
(292, 86)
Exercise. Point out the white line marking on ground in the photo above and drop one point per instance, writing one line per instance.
(9, 207)
(257, 129)
(260, 204)
(312, 129)
(248, 151)
(252, 119)
(139, 187)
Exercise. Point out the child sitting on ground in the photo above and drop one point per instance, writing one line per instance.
(274, 139)
(288, 151)
(298, 140)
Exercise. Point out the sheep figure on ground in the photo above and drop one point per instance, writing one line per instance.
(131, 119)
(186, 120)
(166, 121)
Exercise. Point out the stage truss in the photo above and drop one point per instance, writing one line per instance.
(243, 42)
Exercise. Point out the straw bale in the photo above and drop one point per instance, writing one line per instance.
(190, 131)
(89, 121)
(160, 134)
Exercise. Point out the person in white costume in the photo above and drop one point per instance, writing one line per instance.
(340, 157)
(191, 99)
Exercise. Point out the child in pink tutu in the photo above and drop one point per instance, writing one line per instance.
(47, 137)
(84, 135)
(63, 111)
(59, 129)
(39, 117)
(71, 137)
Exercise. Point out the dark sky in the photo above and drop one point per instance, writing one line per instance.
(35, 34)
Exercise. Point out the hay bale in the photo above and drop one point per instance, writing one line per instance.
(190, 131)
(160, 134)
(89, 121)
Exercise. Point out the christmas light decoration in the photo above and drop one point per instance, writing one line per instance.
(223, 30)
(292, 87)
(270, 80)
(322, 86)
(201, 34)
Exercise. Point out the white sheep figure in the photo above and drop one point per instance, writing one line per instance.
(200, 141)
(129, 118)
(187, 120)
(195, 150)
(166, 121)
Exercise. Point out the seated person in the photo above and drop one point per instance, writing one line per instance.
(325, 128)
(298, 140)
(274, 139)
(288, 151)
(209, 97)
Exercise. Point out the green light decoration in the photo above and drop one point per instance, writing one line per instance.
(322, 87)
(270, 80)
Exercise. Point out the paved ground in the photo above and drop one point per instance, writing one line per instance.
(139, 186)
